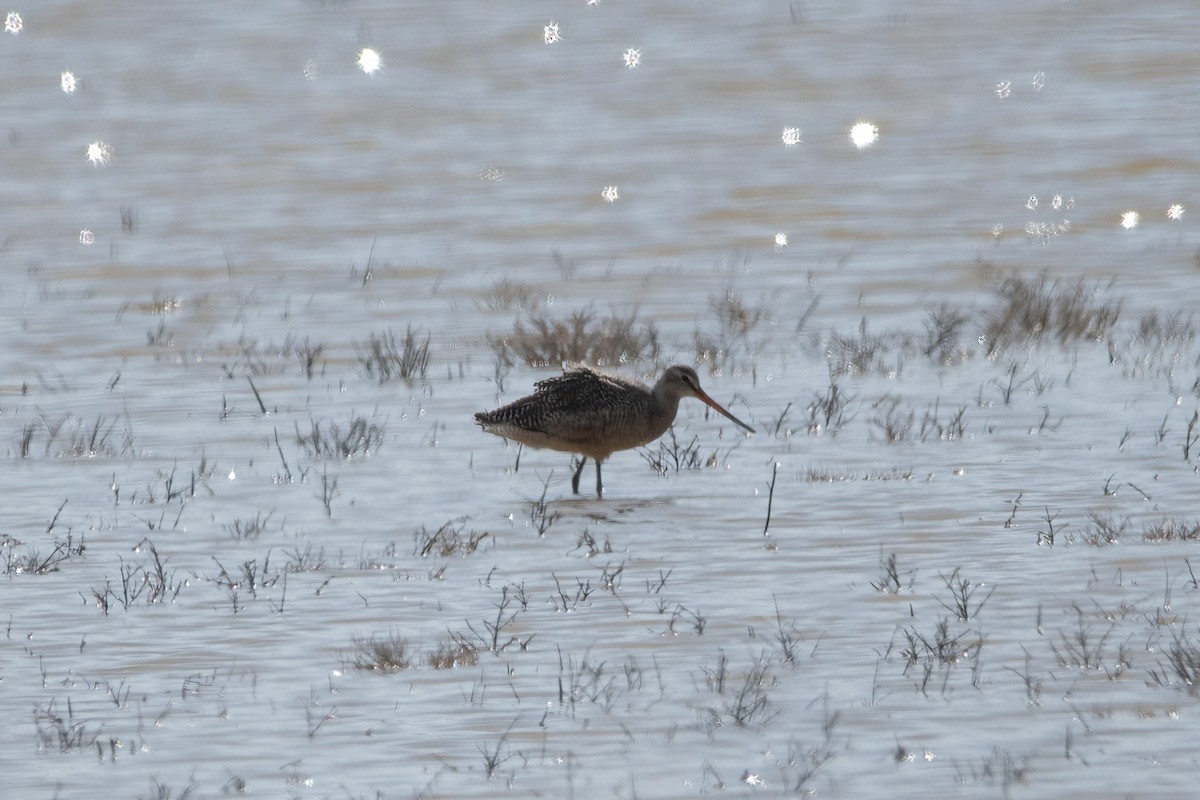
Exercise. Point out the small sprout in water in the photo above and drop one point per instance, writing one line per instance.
(1003, 89)
(550, 34)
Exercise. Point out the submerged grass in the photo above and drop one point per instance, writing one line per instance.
(1027, 310)
(822, 474)
(1182, 667)
(257, 358)
(450, 540)
(866, 352)
(1172, 530)
(33, 561)
(508, 294)
(674, 455)
(383, 357)
(540, 340)
(733, 340)
(70, 436)
(326, 439)
(379, 653)
(1021, 312)
(452, 655)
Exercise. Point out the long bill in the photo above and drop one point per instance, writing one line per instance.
(715, 406)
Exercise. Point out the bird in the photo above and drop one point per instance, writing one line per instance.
(595, 414)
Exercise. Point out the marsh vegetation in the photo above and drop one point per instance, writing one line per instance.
(509, 603)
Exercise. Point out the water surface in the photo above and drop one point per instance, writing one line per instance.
(185, 582)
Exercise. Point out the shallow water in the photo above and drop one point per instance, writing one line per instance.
(656, 642)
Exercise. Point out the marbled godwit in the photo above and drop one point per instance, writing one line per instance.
(595, 415)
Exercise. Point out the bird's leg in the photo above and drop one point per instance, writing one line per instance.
(578, 472)
(599, 483)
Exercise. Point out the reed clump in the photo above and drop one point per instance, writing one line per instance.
(1028, 310)
(384, 357)
(540, 340)
(380, 653)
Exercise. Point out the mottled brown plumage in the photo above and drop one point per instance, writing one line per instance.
(595, 415)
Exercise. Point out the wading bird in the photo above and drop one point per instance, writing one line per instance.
(595, 415)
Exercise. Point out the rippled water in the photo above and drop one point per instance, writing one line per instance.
(186, 585)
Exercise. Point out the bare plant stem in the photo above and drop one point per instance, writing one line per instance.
(257, 396)
(1191, 437)
(50, 527)
(286, 470)
(770, 497)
